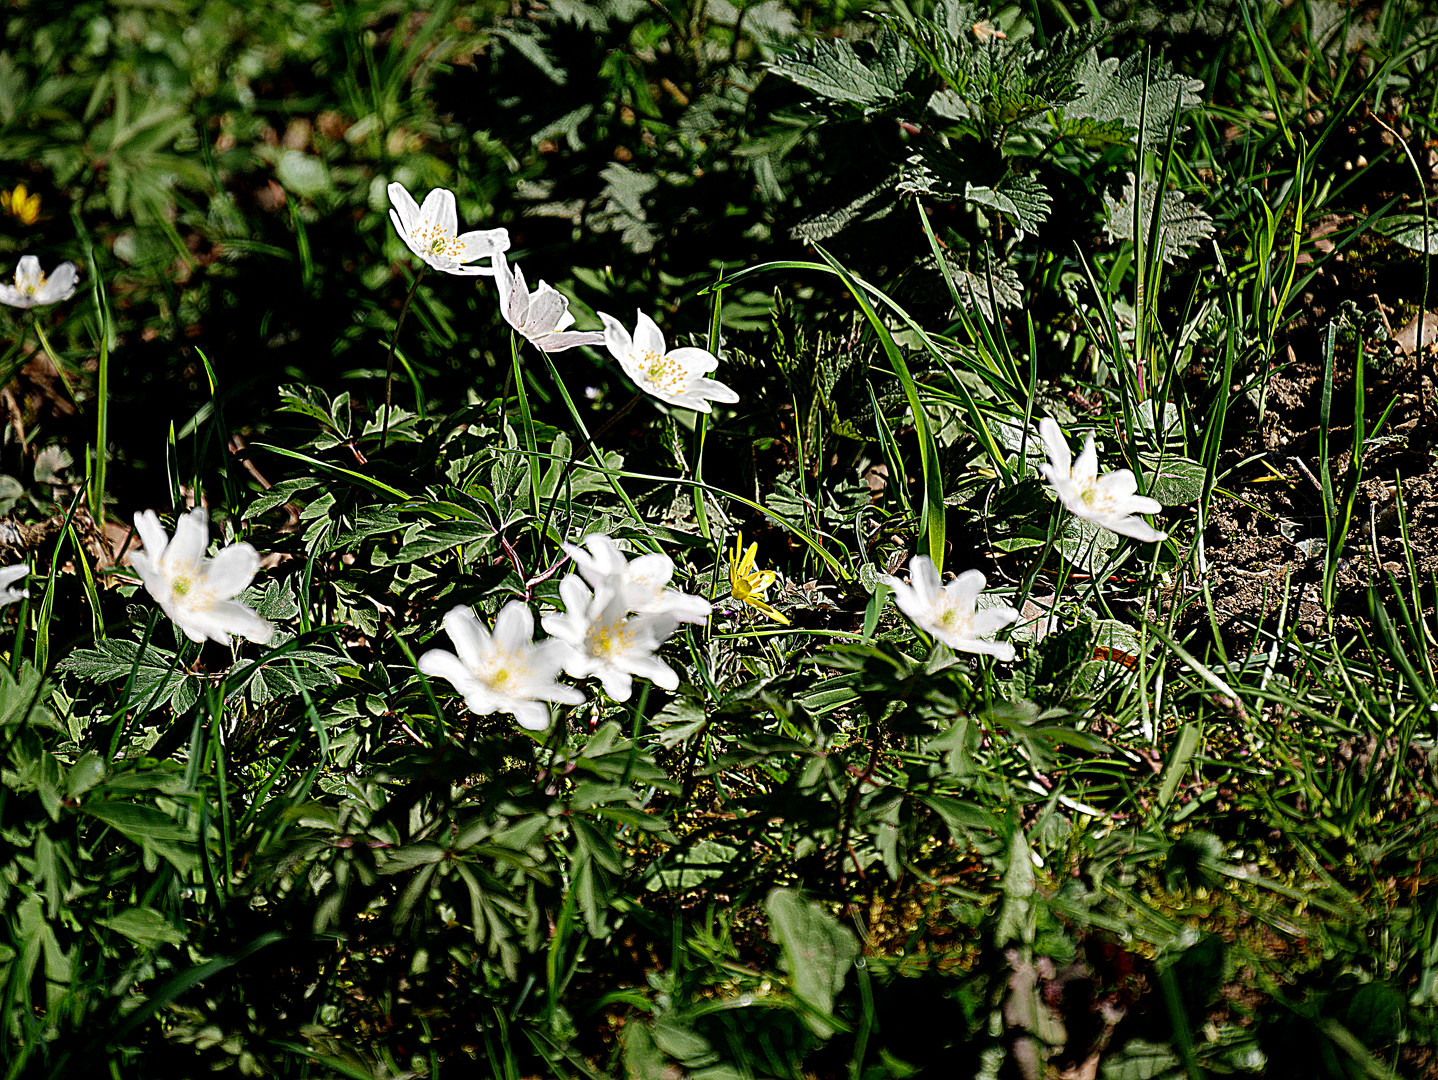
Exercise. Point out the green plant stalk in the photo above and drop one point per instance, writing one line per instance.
(393, 344)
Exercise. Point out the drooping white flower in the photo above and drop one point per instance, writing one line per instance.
(542, 316)
(1109, 501)
(642, 582)
(8, 576)
(676, 376)
(33, 287)
(600, 641)
(504, 671)
(196, 592)
(950, 612)
(432, 232)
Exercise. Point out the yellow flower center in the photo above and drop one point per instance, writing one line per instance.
(664, 373)
(503, 672)
(606, 639)
(437, 240)
(181, 586)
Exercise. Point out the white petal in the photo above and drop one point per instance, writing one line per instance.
(152, 536)
(439, 209)
(989, 621)
(546, 308)
(714, 391)
(14, 297)
(698, 361)
(406, 210)
(519, 301)
(1056, 446)
(233, 617)
(439, 664)
(925, 578)
(514, 627)
(478, 244)
(530, 714)
(647, 337)
(183, 553)
(1139, 530)
(1086, 467)
(1141, 504)
(11, 574)
(617, 684)
(569, 339)
(655, 670)
(470, 638)
(28, 274)
(1119, 484)
(616, 338)
(60, 285)
(965, 589)
(230, 572)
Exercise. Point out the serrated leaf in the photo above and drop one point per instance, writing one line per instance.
(1113, 94)
(144, 926)
(1182, 226)
(865, 73)
(1017, 195)
(622, 209)
(980, 287)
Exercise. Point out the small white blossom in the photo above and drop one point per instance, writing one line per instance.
(196, 592)
(432, 232)
(32, 287)
(542, 316)
(601, 642)
(950, 612)
(642, 582)
(8, 576)
(676, 376)
(1109, 501)
(504, 671)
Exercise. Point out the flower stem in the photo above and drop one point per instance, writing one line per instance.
(389, 365)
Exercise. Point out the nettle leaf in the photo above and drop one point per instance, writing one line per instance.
(817, 951)
(622, 210)
(1020, 197)
(1182, 226)
(980, 287)
(859, 73)
(871, 205)
(1115, 94)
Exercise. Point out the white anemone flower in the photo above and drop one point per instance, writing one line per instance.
(1109, 501)
(196, 592)
(504, 671)
(8, 576)
(601, 642)
(432, 232)
(950, 612)
(32, 287)
(542, 316)
(676, 376)
(642, 581)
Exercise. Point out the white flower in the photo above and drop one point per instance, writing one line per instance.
(432, 232)
(196, 592)
(600, 641)
(1108, 501)
(950, 612)
(8, 576)
(504, 671)
(676, 377)
(640, 581)
(32, 287)
(542, 316)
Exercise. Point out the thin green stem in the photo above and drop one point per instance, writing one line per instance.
(389, 364)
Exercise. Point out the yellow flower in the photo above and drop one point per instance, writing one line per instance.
(749, 585)
(21, 203)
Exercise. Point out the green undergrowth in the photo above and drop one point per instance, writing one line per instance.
(1164, 841)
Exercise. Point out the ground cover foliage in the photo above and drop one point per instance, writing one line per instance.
(1187, 830)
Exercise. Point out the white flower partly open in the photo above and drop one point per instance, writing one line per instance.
(504, 671)
(8, 576)
(32, 287)
(432, 232)
(642, 582)
(196, 592)
(675, 377)
(601, 642)
(950, 612)
(542, 316)
(1109, 501)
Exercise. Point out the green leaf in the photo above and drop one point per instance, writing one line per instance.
(1181, 228)
(817, 952)
(860, 74)
(1016, 916)
(1017, 195)
(144, 926)
(1139, 1060)
(1086, 545)
(705, 861)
